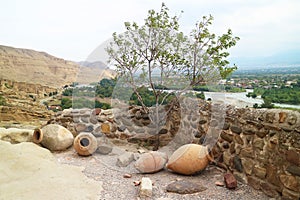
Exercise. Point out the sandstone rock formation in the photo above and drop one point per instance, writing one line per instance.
(31, 172)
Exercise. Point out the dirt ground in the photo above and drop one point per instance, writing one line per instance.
(103, 168)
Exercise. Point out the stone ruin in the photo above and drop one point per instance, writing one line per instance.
(260, 147)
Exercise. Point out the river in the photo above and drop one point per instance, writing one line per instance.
(241, 100)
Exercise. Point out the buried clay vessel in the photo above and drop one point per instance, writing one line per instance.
(53, 137)
(85, 144)
(189, 159)
(151, 162)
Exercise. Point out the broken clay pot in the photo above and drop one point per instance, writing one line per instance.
(151, 162)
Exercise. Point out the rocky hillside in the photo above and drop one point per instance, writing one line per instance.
(24, 65)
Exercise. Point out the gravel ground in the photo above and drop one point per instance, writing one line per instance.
(103, 168)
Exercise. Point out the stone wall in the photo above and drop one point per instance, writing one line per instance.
(260, 147)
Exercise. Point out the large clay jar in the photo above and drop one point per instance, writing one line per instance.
(189, 159)
(85, 144)
(53, 137)
(151, 162)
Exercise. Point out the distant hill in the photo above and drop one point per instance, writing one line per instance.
(283, 59)
(94, 71)
(25, 65)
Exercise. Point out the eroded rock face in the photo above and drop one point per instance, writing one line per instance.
(14, 135)
(31, 172)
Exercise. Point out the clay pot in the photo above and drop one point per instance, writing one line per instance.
(53, 137)
(151, 162)
(189, 159)
(85, 144)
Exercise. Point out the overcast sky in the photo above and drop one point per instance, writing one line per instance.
(74, 29)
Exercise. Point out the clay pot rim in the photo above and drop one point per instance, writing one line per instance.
(37, 136)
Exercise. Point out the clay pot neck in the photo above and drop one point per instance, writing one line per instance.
(37, 136)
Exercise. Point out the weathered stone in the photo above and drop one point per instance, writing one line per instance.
(93, 120)
(105, 128)
(293, 169)
(254, 182)
(249, 131)
(202, 121)
(104, 149)
(236, 129)
(96, 111)
(269, 189)
(85, 119)
(80, 127)
(238, 164)
(185, 187)
(121, 128)
(226, 126)
(125, 159)
(241, 177)
(262, 133)
(282, 117)
(226, 158)
(260, 172)
(272, 176)
(293, 157)
(290, 182)
(247, 165)
(292, 119)
(258, 143)
(14, 135)
(238, 139)
(287, 128)
(247, 152)
(227, 136)
(146, 187)
(270, 117)
(290, 195)
(230, 181)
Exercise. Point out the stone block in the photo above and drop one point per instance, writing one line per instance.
(236, 129)
(290, 195)
(269, 189)
(104, 149)
(272, 176)
(238, 140)
(293, 157)
(247, 165)
(146, 188)
(293, 169)
(247, 152)
(258, 143)
(227, 136)
(282, 117)
(230, 181)
(254, 182)
(290, 182)
(125, 159)
(105, 128)
(260, 172)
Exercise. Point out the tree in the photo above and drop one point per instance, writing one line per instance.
(153, 53)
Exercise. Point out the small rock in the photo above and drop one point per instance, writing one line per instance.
(127, 176)
(185, 187)
(104, 149)
(230, 181)
(125, 159)
(219, 183)
(136, 183)
(146, 187)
